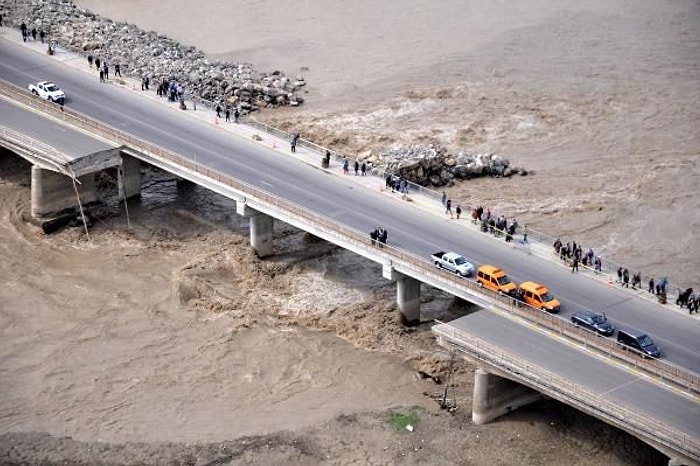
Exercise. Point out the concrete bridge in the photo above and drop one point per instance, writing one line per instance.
(62, 178)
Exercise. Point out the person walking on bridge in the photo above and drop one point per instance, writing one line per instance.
(295, 139)
(357, 167)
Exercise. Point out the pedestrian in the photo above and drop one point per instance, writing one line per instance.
(374, 236)
(458, 211)
(574, 265)
(102, 76)
(525, 234)
(0, 20)
(117, 70)
(625, 278)
(105, 68)
(23, 28)
(228, 116)
(346, 167)
(619, 275)
(448, 207)
(444, 198)
(97, 63)
(357, 167)
(637, 281)
(218, 111)
(89, 58)
(364, 169)
(147, 81)
(651, 285)
(236, 115)
(42, 35)
(383, 236)
(34, 32)
(143, 85)
(295, 138)
(510, 233)
(598, 264)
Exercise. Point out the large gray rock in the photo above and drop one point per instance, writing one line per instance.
(146, 53)
(434, 166)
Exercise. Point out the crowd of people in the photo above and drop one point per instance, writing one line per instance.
(32, 34)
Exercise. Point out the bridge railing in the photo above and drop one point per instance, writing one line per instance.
(551, 383)
(659, 369)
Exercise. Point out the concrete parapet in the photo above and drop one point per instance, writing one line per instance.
(129, 177)
(495, 396)
(53, 192)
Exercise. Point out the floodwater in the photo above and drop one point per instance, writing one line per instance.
(163, 330)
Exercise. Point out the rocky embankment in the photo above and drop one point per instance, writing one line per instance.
(143, 53)
(432, 165)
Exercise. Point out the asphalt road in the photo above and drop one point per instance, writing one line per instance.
(415, 230)
(615, 384)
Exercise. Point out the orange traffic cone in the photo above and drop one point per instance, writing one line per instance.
(610, 282)
(216, 121)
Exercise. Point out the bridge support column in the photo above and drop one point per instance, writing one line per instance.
(495, 396)
(261, 229)
(261, 234)
(408, 299)
(53, 192)
(129, 175)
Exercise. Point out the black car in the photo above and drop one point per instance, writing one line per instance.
(594, 322)
(639, 341)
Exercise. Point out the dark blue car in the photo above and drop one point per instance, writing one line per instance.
(593, 322)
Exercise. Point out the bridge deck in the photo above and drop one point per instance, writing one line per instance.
(678, 411)
(73, 143)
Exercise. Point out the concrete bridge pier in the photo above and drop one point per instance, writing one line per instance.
(407, 295)
(495, 396)
(53, 192)
(129, 174)
(261, 229)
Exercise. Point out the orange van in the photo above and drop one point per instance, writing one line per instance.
(495, 279)
(538, 296)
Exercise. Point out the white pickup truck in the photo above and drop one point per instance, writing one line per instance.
(453, 262)
(49, 91)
